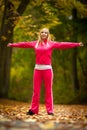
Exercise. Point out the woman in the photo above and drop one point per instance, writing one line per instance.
(43, 69)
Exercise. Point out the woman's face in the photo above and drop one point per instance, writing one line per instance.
(44, 34)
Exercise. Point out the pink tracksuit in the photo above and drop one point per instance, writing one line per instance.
(43, 57)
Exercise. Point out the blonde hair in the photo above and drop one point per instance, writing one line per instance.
(39, 37)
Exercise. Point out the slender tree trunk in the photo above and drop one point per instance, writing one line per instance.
(74, 70)
(74, 55)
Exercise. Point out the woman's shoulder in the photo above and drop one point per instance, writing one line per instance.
(51, 42)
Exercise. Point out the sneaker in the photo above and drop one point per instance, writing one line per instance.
(52, 114)
(30, 113)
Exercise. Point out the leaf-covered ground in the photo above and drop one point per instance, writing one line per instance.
(13, 116)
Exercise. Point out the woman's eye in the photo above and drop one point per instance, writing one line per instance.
(45, 32)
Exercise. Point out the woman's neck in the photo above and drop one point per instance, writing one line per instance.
(44, 40)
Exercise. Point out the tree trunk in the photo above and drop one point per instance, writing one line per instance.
(5, 53)
(5, 57)
(74, 55)
(6, 36)
(74, 70)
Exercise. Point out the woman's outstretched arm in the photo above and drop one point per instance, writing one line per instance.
(22, 44)
(66, 45)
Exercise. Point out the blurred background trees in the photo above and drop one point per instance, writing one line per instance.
(20, 21)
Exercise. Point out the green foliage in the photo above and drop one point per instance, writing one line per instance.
(21, 74)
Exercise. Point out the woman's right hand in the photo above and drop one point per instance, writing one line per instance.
(9, 44)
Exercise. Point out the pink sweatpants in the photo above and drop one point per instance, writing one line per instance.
(47, 77)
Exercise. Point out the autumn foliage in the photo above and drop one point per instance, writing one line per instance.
(13, 114)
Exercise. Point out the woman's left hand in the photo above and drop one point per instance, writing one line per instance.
(81, 44)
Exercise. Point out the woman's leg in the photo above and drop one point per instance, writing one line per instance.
(48, 80)
(37, 80)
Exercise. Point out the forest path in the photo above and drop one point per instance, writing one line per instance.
(66, 117)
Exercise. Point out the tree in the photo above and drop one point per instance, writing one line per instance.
(74, 54)
(73, 13)
(10, 16)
